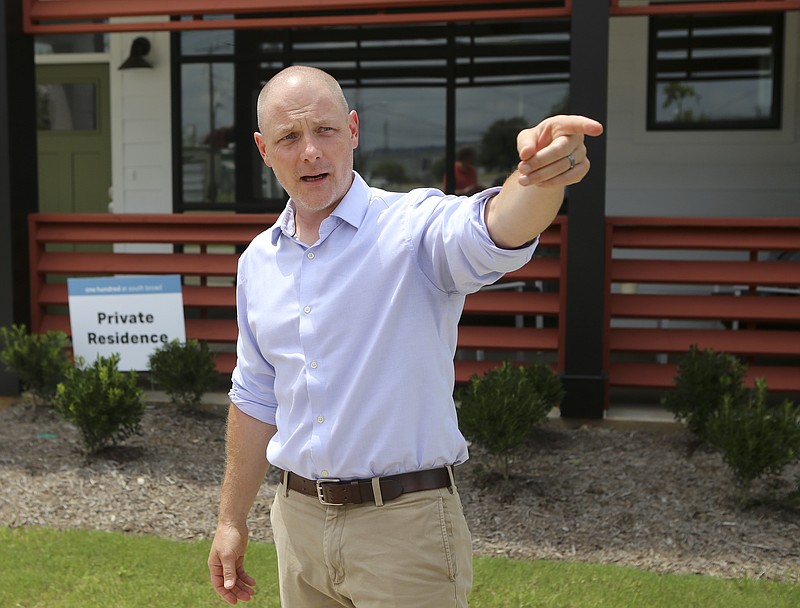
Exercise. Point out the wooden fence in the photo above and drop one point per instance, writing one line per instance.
(732, 285)
(727, 284)
(204, 249)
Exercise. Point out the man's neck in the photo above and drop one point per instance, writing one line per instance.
(307, 223)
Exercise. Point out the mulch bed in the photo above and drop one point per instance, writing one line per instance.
(639, 496)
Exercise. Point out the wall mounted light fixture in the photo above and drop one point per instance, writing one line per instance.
(139, 48)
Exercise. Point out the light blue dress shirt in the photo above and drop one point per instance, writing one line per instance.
(347, 346)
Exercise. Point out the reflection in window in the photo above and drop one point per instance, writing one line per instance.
(507, 79)
(515, 52)
(208, 42)
(70, 43)
(715, 71)
(208, 133)
(66, 107)
(402, 135)
(488, 120)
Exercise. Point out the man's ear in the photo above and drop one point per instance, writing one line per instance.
(262, 147)
(352, 124)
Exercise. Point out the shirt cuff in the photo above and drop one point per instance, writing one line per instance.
(482, 198)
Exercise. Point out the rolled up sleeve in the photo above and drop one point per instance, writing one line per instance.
(453, 243)
(253, 378)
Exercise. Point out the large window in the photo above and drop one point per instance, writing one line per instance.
(715, 71)
(426, 96)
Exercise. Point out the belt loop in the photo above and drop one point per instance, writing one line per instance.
(452, 486)
(285, 484)
(376, 491)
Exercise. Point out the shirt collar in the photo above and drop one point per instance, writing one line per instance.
(351, 209)
(353, 206)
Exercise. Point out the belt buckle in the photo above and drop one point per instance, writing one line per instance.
(321, 492)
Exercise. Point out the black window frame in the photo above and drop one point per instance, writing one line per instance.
(454, 42)
(773, 121)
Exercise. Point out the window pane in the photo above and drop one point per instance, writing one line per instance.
(712, 71)
(207, 42)
(402, 136)
(684, 101)
(208, 133)
(503, 53)
(71, 43)
(487, 122)
(66, 107)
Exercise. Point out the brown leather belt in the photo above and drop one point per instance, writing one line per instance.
(336, 492)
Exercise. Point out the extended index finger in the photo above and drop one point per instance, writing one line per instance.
(542, 135)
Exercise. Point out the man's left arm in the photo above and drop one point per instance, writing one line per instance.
(552, 155)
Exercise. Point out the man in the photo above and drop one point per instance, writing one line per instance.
(347, 312)
(466, 176)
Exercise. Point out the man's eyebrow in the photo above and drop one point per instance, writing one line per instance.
(283, 128)
(290, 127)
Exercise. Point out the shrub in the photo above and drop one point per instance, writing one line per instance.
(40, 360)
(184, 370)
(703, 380)
(500, 410)
(755, 438)
(105, 404)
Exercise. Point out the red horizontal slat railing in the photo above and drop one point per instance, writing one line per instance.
(670, 283)
(687, 7)
(730, 284)
(86, 16)
(204, 249)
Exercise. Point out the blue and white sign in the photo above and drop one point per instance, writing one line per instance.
(130, 315)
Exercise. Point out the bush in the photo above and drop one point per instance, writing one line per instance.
(40, 360)
(105, 404)
(755, 438)
(500, 410)
(703, 380)
(185, 371)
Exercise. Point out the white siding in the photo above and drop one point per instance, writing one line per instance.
(141, 128)
(700, 173)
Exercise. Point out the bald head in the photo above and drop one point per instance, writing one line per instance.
(298, 77)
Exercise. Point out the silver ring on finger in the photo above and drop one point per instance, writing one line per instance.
(571, 160)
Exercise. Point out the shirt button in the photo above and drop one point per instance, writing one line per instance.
(307, 309)
(310, 255)
(320, 419)
(324, 472)
(314, 365)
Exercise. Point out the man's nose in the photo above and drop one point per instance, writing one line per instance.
(311, 150)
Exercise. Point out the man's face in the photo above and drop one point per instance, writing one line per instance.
(308, 141)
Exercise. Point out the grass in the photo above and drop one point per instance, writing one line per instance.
(548, 584)
(44, 568)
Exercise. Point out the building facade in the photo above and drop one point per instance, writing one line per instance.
(701, 103)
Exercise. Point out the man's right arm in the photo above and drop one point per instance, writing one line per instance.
(245, 468)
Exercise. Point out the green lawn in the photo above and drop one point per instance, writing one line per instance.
(44, 568)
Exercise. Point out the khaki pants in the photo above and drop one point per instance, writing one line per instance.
(414, 551)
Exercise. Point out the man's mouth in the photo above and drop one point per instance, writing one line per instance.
(314, 178)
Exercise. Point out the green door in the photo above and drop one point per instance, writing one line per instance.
(74, 138)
